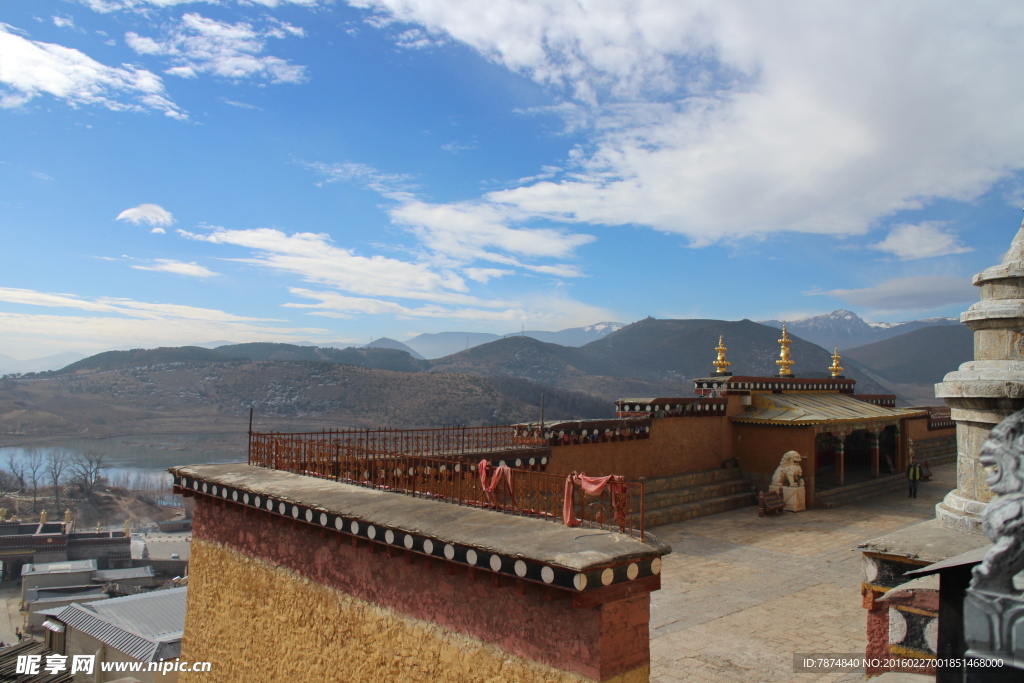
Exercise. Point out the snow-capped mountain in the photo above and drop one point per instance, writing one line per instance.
(846, 329)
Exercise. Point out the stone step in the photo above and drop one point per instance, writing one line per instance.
(682, 481)
(702, 508)
(831, 498)
(693, 494)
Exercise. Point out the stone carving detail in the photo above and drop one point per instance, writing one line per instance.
(1003, 519)
(993, 607)
(789, 472)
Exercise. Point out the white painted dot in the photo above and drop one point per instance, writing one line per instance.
(295, 511)
(501, 463)
(632, 571)
(656, 565)
(184, 482)
(354, 526)
(409, 541)
(579, 581)
(458, 468)
(366, 474)
(471, 556)
(283, 509)
(495, 563)
(339, 523)
(245, 499)
(519, 463)
(323, 519)
(398, 471)
(544, 461)
(213, 491)
(412, 471)
(371, 532)
(224, 493)
(897, 626)
(204, 488)
(931, 634)
(548, 574)
(520, 568)
(428, 546)
(389, 536)
(607, 576)
(533, 461)
(309, 515)
(234, 496)
(444, 468)
(449, 551)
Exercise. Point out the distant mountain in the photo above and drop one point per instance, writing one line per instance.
(574, 336)
(447, 343)
(381, 358)
(921, 356)
(648, 358)
(385, 343)
(845, 329)
(54, 362)
(442, 344)
(136, 358)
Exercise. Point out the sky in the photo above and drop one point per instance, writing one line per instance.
(183, 171)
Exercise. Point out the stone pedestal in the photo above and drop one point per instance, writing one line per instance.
(795, 498)
(986, 390)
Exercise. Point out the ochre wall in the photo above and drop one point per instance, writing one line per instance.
(677, 445)
(917, 429)
(759, 449)
(272, 602)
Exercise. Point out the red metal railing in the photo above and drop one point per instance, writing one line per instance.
(341, 456)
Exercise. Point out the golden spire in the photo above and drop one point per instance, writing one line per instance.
(784, 362)
(721, 364)
(42, 517)
(836, 369)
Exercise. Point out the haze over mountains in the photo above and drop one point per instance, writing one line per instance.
(845, 329)
(297, 386)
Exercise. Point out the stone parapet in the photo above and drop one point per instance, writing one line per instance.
(391, 587)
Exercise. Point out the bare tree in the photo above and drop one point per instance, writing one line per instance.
(86, 469)
(33, 463)
(57, 463)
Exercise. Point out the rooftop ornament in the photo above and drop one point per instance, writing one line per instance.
(784, 362)
(835, 368)
(721, 364)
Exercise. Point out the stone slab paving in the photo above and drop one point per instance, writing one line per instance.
(741, 594)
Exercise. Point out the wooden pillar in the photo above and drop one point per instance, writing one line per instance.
(873, 439)
(897, 457)
(841, 460)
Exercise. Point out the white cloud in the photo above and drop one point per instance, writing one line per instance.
(143, 6)
(152, 214)
(200, 45)
(63, 22)
(158, 231)
(724, 119)
(553, 309)
(314, 258)
(125, 307)
(30, 68)
(39, 175)
(907, 241)
(178, 268)
(460, 233)
(910, 293)
(485, 275)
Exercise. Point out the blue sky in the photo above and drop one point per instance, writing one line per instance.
(177, 171)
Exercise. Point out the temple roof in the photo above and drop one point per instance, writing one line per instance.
(811, 409)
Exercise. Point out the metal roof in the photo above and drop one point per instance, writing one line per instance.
(121, 574)
(147, 627)
(58, 567)
(63, 593)
(810, 409)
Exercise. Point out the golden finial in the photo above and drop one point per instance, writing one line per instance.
(99, 529)
(784, 362)
(127, 528)
(67, 516)
(836, 369)
(721, 364)
(42, 517)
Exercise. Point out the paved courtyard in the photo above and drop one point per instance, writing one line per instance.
(740, 594)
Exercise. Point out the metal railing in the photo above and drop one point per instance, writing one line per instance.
(527, 492)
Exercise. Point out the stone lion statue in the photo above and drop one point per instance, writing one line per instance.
(1003, 519)
(789, 472)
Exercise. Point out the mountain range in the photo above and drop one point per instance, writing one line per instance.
(845, 329)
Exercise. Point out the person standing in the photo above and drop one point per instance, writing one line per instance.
(913, 476)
